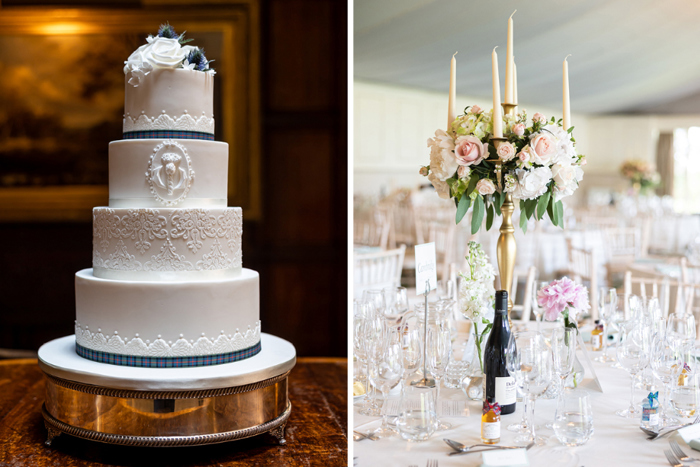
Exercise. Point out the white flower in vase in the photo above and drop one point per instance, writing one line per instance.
(532, 183)
(443, 163)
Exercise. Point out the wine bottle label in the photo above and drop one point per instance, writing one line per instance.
(505, 390)
(491, 430)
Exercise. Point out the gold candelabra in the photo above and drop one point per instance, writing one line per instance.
(506, 249)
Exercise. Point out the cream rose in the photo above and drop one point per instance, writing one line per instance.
(485, 187)
(441, 187)
(506, 151)
(544, 148)
(470, 150)
(463, 171)
(475, 109)
(442, 159)
(538, 117)
(519, 129)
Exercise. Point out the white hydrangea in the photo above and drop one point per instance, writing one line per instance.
(443, 163)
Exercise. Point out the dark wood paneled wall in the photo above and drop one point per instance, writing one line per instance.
(299, 245)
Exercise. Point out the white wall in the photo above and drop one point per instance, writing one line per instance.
(392, 125)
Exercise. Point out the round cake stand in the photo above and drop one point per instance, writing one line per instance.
(166, 406)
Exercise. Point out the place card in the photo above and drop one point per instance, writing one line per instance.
(505, 458)
(426, 268)
(690, 433)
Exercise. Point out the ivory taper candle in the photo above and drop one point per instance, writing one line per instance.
(566, 108)
(515, 83)
(497, 119)
(509, 90)
(452, 103)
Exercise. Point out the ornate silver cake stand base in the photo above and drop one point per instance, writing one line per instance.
(162, 407)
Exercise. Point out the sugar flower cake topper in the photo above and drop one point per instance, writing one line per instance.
(167, 49)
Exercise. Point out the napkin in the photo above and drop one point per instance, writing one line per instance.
(505, 458)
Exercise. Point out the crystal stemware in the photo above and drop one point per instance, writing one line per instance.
(438, 355)
(608, 306)
(665, 363)
(536, 373)
(573, 419)
(633, 355)
(536, 308)
(396, 303)
(387, 373)
(563, 345)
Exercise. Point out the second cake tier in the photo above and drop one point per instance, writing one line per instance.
(166, 244)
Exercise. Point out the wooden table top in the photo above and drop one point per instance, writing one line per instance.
(316, 431)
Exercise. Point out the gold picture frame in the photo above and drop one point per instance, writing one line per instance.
(235, 29)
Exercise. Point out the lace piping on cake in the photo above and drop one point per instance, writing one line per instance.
(182, 347)
(184, 122)
(188, 227)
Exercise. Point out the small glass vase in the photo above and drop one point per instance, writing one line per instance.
(473, 383)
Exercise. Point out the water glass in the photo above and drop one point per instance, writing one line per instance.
(685, 394)
(460, 364)
(417, 416)
(573, 419)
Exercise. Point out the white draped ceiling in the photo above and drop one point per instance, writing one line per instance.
(627, 55)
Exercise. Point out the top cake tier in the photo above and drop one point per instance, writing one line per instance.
(170, 103)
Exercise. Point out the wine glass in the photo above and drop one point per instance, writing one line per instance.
(536, 308)
(665, 362)
(376, 299)
(373, 340)
(396, 303)
(536, 376)
(438, 356)
(563, 344)
(680, 330)
(358, 348)
(633, 356)
(387, 373)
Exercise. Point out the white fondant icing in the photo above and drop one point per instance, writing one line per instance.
(163, 121)
(143, 318)
(170, 92)
(158, 244)
(160, 348)
(129, 160)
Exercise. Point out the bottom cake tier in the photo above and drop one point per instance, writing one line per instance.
(167, 324)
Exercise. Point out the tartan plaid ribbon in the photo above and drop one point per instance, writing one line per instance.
(496, 407)
(168, 134)
(166, 362)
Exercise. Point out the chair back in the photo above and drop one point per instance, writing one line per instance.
(659, 287)
(372, 230)
(526, 306)
(582, 268)
(378, 270)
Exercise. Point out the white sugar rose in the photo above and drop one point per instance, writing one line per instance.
(442, 158)
(159, 52)
(506, 151)
(441, 187)
(485, 187)
(532, 183)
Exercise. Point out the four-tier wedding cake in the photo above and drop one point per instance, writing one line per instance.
(167, 287)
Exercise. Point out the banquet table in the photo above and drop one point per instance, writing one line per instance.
(616, 440)
(316, 428)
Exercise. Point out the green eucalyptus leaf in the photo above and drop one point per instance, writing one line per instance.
(559, 213)
(523, 221)
(542, 203)
(472, 184)
(497, 202)
(477, 214)
(462, 208)
(489, 217)
(530, 206)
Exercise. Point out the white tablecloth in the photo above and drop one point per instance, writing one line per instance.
(616, 441)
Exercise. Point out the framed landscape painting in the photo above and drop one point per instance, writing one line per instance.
(62, 102)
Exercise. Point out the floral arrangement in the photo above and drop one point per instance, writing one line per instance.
(476, 293)
(563, 297)
(642, 175)
(165, 50)
(540, 166)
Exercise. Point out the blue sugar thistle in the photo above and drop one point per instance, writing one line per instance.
(167, 31)
(200, 61)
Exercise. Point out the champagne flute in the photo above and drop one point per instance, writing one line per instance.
(412, 351)
(536, 375)
(373, 333)
(438, 355)
(633, 355)
(665, 362)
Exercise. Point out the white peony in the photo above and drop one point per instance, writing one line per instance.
(159, 52)
(565, 151)
(443, 163)
(532, 183)
(441, 187)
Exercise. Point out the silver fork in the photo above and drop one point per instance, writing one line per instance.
(672, 459)
(663, 432)
(432, 463)
(675, 447)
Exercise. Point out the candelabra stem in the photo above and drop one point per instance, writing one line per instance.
(506, 249)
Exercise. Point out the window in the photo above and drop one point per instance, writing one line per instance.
(686, 170)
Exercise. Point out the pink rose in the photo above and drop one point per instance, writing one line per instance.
(475, 109)
(583, 161)
(469, 150)
(463, 172)
(485, 187)
(519, 129)
(525, 155)
(538, 117)
(424, 171)
(544, 148)
(506, 151)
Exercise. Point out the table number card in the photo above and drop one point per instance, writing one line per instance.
(590, 380)
(426, 267)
